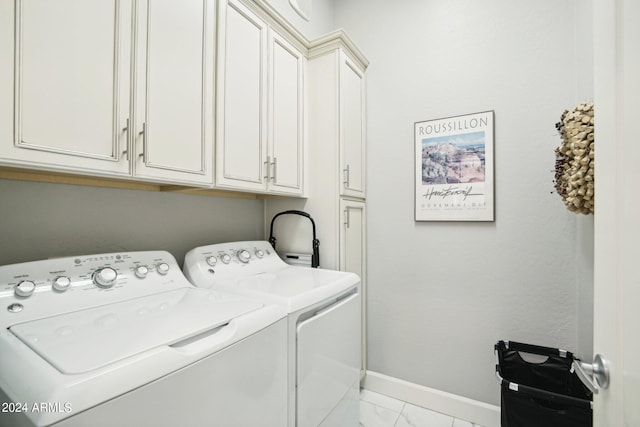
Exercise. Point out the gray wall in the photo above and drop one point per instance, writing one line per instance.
(441, 294)
(39, 220)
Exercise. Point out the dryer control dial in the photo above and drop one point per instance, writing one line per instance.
(225, 258)
(243, 255)
(141, 271)
(61, 283)
(259, 253)
(162, 268)
(105, 277)
(212, 261)
(25, 288)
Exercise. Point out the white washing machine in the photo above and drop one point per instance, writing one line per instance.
(123, 339)
(324, 324)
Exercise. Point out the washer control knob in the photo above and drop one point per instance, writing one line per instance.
(15, 307)
(225, 258)
(141, 271)
(105, 277)
(163, 268)
(243, 255)
(259, 253)
(25, 288)
(212, 261)
(61, 283)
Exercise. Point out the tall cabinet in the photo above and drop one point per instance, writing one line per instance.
(336, 170)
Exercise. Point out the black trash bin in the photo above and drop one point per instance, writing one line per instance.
(540, 394)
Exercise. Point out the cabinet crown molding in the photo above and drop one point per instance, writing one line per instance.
(335, 40)
(267, 12)
(321, 45)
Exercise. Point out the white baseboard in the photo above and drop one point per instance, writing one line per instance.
(450, 404)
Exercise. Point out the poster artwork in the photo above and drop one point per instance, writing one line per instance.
(454, 168)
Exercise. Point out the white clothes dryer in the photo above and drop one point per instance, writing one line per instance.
(123, 339)
(323, 326)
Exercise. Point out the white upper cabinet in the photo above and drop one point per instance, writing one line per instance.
(241, 160)
(88, 77)
(70, 84)
(286, 121)
(173, 133)
(352, 128)
(260, 137)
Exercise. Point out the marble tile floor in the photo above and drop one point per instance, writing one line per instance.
(377, 410)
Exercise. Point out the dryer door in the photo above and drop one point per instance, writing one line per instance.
(328, 365)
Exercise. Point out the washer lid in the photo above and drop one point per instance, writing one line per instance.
(84, 340)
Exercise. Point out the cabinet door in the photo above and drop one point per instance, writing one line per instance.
(286, 116)
(173, 137)
(6, 76)
(353, 253)
(352, 136)
(241, 135)
(70, 85)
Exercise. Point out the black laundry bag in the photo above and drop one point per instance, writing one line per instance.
(545, 394)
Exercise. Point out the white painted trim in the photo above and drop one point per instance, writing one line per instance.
(335, 40)
(274, 19)
(450, 404)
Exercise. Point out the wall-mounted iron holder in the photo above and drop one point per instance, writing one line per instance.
(315, 257)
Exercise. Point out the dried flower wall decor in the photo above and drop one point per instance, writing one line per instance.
(575, 159)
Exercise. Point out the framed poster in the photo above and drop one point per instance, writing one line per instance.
(454, 168)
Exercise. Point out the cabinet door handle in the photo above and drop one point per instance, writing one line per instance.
(274, 170)
(346, 218)
(346, 177)
(266, 168)
(126, 141)
(143, 132)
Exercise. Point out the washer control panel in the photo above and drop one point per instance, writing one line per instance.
(233, 261)
(55, 286)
